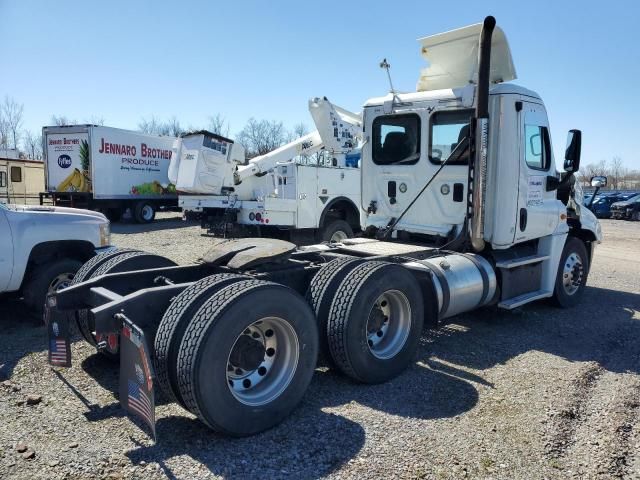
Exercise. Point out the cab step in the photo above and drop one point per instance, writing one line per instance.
(518, 262)
(523, 299)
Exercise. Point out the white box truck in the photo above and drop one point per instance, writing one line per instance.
(108, 169)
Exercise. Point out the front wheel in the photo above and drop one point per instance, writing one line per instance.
(47, 279)
(572, 273)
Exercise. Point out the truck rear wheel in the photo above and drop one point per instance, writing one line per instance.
(572, 273)
(144, 212)
(247, 357)
(173, 324)
(336, 231)
(375, 321)
(123, 261)
(322, 289)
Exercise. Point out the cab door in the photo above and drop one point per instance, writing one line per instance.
(538, 209)
(403, 152)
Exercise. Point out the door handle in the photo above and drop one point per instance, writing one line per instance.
(523, 219)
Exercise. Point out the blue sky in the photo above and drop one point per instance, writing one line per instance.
(124, 60)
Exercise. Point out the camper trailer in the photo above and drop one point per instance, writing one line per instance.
(20, 181)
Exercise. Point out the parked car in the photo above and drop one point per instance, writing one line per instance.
(41, 248)
(628, 209)
(601, 206)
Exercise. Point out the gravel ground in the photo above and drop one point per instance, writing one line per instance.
(534, 393)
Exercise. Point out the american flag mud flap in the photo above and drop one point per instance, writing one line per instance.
(58, 335)
(136, 376)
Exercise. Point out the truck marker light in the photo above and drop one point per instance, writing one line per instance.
(259, 217)
(563, 216)
(266, 220)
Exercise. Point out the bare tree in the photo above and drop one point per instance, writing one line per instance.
(12, 113)
(299, 130)
(4, 132)
(32, 144)
(158, 127)
(62, 120)
(218, 125)
(95, 120)
(261, 136)
(617, 172)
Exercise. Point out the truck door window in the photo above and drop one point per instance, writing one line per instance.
(16, 174)
(3, 179)
(396, 139)
(446, 130)
(537, 148)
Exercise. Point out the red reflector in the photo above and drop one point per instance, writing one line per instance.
(266, 220)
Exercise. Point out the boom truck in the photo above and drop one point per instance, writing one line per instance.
(308, 189)
(462, 208)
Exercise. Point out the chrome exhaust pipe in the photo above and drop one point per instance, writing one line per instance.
(481, 136)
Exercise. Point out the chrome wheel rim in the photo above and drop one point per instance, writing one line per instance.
(147, 212)
(338, 236)
(262, 361)
(388, 324)
(572, 273)
(59, 282)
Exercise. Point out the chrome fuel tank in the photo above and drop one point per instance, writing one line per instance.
(463, 281)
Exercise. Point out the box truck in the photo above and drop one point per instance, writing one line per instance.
(108, 169)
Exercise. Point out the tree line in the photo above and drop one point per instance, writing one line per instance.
(257, 136)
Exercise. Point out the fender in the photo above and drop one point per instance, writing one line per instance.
(333, 202)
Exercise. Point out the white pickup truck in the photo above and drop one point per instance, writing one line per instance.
(41, 248)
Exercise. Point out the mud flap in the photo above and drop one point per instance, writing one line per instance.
(58, 334)
(136, 376)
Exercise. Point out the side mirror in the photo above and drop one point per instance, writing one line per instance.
(599, 181)
(572, 152)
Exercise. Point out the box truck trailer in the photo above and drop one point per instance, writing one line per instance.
(108, 169)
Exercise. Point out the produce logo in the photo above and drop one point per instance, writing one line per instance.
(64, 161)
(153, 188)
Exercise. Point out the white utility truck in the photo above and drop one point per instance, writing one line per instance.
(41, 248)
(108, 169)
(462, 208)
(306, 190)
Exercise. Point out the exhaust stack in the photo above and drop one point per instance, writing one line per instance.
(481, 135)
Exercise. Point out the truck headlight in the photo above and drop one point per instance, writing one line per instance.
(105, 234)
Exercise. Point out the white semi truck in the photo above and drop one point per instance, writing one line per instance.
(109, 170)
(462, 208)
(306, 190)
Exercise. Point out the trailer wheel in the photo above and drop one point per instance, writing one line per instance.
(85, 273)
(375, 321)
(322, 289)
(173, 324)
(573, 270)
(144, 212)
(126, 261)
(336, 231)
(247, 357)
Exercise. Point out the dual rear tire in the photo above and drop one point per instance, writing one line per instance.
(370, 315)
(238, 353)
